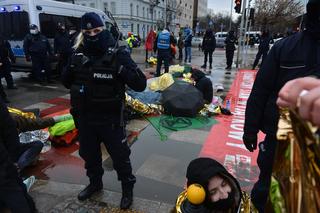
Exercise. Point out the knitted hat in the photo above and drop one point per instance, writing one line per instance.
(90, 21)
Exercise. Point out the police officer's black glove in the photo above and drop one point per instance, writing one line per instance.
(250, 141)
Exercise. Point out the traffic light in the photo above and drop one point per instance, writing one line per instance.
(237, 8)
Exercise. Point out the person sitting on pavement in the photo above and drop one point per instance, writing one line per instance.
(203, 84)
(13, 193)
(27, 154)
(222, 190)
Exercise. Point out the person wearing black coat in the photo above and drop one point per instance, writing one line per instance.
(13, 193)
(290, 58)
(230, 48)
(264, 45)
(208, 47)
(203, 84)
(62, 47)
(7, 57)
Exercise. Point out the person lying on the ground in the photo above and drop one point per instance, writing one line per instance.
(223, 192)
(203, 84)
(13, 194)
(291, 95)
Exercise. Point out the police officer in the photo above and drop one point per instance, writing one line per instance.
(7, 57)
(62, 46)
(13, 193)
(264, 45)
(295, 56)
(208, 46)
(162, 45)
(230, 48)
(37, 48)
(96, 77)
(3, 94)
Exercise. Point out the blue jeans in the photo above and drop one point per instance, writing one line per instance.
(187, 51)
(30, 152)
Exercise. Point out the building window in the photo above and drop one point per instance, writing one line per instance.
(159, 15)
(131, 9)
(83, 4)
(105, 6)
(186, 5)
(190, 6)
(138, 29)
(113, 7)
(190, 17)
(143, 15)
(185, 15)
(131, 27)
(137, 10)
(92, 5)
(147, 12)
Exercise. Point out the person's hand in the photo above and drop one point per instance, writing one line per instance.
(250, 141)
(0, 64)
(308, 103)
(28, 58)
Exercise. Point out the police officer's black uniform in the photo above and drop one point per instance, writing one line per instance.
(37, 49)
(293, 57)
(264, 45)
(230, 48)
(96, 78)
(62, 47)
(13, 193)
(3, 94)
(7, 57)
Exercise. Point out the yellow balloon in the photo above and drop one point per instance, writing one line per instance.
(196, 194)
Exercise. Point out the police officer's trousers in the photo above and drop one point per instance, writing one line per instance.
(258, 56)
(163, 55)
(229, 56)
(115, 140)
(40, 67)
(260, 191)
(6, 73)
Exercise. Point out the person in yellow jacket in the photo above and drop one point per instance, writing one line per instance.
(130, 41)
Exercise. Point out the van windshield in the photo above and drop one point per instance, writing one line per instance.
(14, 25)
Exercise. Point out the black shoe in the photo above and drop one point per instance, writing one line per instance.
(12, 87)
(253, 68)
(90, 190)
(227, 68)
(126, 200)
(204, 66)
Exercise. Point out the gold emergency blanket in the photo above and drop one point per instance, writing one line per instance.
(21, 113)
(142, 108)
(245, 206)
(161, 83)
(297, 165)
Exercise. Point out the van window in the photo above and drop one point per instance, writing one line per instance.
(48, 23)
(14, 25)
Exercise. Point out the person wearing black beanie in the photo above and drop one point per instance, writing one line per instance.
(293, 57)
(97, 75)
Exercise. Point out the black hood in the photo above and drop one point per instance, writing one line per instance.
(197, 74)
(201, 170)
(209, 33)
(313, 19)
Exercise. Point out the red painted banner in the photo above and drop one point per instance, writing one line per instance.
(224, 142)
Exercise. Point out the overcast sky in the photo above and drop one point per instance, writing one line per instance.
(220, 5)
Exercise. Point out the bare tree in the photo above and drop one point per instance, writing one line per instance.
(277, 15)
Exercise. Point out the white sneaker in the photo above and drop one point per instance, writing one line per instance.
(29, 182)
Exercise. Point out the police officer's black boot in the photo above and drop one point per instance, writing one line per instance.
(127, 195)
(93, 187)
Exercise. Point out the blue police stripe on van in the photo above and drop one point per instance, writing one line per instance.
(18, 52)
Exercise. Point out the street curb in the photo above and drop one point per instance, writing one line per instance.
(51, 196)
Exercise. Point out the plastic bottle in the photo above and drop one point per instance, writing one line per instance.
(228, 105)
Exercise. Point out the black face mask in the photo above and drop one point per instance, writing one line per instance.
(313, 20)
(224, 204)
(96, 45)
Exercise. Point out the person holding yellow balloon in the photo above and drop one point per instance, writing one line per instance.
(211, 189)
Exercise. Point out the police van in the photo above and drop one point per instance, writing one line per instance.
(17, 15)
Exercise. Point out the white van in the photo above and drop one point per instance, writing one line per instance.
(17, 15)
(220, 38)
